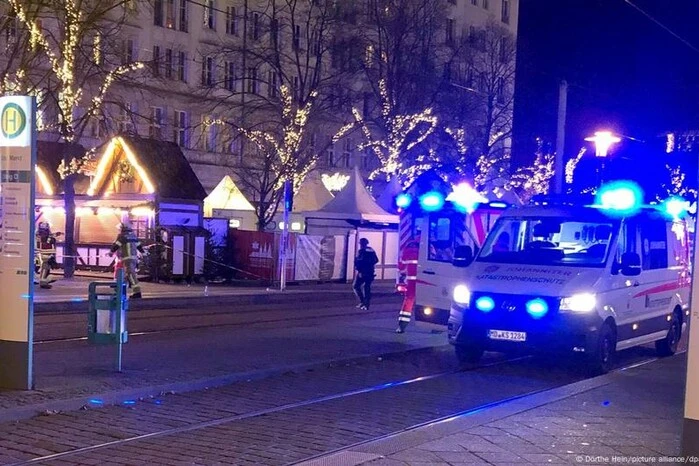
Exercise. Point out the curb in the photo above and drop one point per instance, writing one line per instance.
(117, 397)
(393, 443)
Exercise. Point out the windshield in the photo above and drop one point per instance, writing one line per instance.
(549, 241)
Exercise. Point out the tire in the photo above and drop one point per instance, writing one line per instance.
(471, 353)
(600, 361)
(668, 345)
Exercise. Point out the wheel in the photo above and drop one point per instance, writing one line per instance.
(601, 359)
(668, 345)
(470, 353)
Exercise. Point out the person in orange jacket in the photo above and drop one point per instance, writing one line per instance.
(408, 260)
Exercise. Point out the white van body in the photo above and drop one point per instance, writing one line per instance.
(557, 281)
(441, 232)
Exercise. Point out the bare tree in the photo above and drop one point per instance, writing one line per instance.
(78, 65)
(279, 90)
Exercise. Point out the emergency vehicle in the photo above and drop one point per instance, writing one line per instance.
(590, 279)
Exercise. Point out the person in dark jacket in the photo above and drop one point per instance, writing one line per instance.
(364, 264)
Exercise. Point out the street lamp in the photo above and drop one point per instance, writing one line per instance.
(603, 141)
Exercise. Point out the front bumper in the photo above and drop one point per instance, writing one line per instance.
(558, 331)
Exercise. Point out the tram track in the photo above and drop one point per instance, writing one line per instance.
(441, 384)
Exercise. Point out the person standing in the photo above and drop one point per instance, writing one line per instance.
(408, 260)
(45, 253)
(125, 246)
(364, 265)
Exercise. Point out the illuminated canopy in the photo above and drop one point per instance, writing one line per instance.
(226, 195)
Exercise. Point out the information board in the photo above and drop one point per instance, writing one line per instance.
(17, 162)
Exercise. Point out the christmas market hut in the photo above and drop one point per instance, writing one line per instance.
(151, 183)
(228, 201)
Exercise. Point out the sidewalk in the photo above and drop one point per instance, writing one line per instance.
(629, 416)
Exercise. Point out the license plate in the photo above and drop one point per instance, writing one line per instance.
(507, 335)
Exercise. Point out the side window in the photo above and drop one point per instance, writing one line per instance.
(677, 244)
(441, 240)
(654, 244)
(628, 239)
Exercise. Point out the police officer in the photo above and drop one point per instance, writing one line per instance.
(45, 253)
(126, 246)
(408, 262)
(364, 264)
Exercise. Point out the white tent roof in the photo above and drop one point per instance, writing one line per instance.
(312, 195)
(354, 203)
(226, 195)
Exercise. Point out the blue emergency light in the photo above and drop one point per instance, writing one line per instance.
(676, 207)
(620, 198)
(432, 201)
(403, 200)
(485, 304)
(537, 308)
(465, 198)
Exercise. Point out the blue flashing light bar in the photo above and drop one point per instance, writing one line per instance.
(620, 198)
(537, 308)
(676, 207)
(485, 304)
(499, 205)
(403, 200)
(432, 201)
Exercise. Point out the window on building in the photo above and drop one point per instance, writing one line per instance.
(451, 25)
(184, 15)
(182, 66)
(296, 40)
(207, 71)
(98, 127)
(472, 35)
(181, 135)
(229, 76)
(254, 32)
(505, 14)
(168, 63)
(274, 32)
(125, 123)
(235, 145)
(474, 2)
(210, 134)
(486, 4)
(453, 2)
(231, 21)
(170, 14)
(210, 14)
(127, 51)
(158, 12)
(500, 90)
(502, 51)
(253, 83)
(330, 155)
(347, 147)
(155, 62)
(155, 125)
(272, 84)
(366, 157)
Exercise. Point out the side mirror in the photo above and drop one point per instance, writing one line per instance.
(463, 256)
(630, 264)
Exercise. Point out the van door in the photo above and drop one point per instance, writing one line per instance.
(657, 283)
(436, 275)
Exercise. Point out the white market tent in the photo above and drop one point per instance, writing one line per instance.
(226, 196)
(354, 203)
(312, 195)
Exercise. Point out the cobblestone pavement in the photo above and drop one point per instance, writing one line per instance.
(632, 416)
(284, 436)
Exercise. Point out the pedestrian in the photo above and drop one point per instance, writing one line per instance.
(408, 263)
(364, 264)
(45, 254)
(125, 246)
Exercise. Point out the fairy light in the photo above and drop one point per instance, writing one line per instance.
(572, 164)
(102, 168)
(402, 134)
(139, 169)
(45, 183)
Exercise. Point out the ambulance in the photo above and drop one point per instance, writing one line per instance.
(442, 233)
(561, 276)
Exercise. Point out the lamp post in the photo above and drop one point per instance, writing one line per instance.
(603, 141)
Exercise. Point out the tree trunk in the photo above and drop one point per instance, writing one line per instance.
(69, 205)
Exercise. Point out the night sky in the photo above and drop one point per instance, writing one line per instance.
(625, 73)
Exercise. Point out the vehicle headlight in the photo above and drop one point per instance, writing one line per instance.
(581, 302)
(461, 295)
